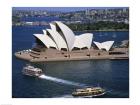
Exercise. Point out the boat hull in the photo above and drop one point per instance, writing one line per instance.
(89, 95)
(32, 75)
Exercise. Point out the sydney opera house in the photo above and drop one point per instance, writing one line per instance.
(59, 43)
(61, 37)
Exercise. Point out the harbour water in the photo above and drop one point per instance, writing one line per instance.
(61, 78)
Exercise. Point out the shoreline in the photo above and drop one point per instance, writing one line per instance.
(103, 30)
(109, 30)
(72, 56)
(125, 57)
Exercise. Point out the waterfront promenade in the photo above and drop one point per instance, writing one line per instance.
(55, 55)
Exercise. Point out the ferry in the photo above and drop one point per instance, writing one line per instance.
(32, 71)
(89, 92)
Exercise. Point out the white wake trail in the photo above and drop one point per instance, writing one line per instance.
(58, 80)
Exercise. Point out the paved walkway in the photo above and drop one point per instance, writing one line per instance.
(54, 55)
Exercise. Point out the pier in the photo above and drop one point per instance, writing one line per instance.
(55, 55)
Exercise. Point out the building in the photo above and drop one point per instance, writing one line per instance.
(61, 37)
(104, 45)
(59, 43)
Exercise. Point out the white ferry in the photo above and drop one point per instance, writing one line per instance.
(32, 71)
(89, 92)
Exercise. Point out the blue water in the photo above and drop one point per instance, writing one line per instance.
(61, 78)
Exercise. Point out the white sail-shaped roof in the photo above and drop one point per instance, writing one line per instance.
(83, 40)
(53, 27)
(44, 32)
(58, 39)
(67, 34)
(48, 42)
(104, 45)
(61, 36)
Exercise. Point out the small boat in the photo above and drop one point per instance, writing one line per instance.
(89, 92)
(32, 71)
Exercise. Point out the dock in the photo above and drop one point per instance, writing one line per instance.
(55, 55)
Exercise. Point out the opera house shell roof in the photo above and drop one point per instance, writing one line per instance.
(104, 45)
(61, 37)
